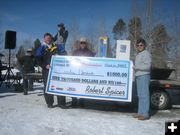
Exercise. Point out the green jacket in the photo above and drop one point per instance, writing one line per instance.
(27, 63)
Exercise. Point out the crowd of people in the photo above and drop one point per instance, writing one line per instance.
(56, 45)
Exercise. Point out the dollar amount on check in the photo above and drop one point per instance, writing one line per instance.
(87, 77)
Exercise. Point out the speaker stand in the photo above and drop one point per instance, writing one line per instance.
(9, 74)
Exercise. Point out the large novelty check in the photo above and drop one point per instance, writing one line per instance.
(87, 77)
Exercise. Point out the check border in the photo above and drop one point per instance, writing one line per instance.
(48, 89)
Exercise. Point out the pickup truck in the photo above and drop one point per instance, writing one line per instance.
(164, 92)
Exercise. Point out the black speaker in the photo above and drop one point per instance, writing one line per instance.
(10, 40)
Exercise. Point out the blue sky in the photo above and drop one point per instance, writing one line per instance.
(32, 18)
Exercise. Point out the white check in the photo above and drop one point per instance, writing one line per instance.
(88, 77)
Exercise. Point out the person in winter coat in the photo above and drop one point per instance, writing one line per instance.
(81, 51)
(43, 55)
(62, 35)
(142, 77)
(28, 63)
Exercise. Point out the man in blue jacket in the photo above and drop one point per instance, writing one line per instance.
(43, 55)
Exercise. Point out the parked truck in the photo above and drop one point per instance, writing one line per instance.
(164, 92)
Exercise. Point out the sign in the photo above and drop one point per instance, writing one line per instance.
(123, 50)
(88, 77)
(103, 46)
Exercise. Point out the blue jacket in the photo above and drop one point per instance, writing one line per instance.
(42, 49)
(43, 54)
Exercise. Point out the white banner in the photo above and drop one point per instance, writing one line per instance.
(88, 77)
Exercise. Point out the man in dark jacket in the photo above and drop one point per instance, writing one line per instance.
(62, 35)
(81, 51)
(27, 62)
(44, 54)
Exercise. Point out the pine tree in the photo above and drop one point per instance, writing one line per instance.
(37, 43)
(119, 29)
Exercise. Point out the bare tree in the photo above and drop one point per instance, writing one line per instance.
(135, 32)
(73, 36)
(27, 43)
(175, 50)
(102, 31)
(160, 46)
(92, 37)
(94, 32)
(102, 27)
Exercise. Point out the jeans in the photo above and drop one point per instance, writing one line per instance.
(142, 83)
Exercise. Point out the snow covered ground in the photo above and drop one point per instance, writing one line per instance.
(28, 115)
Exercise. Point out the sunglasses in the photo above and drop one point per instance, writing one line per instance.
(82, 42)
(139, 45)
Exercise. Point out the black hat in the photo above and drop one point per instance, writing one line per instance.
(61, 25)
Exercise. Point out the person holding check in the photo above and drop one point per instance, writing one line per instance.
(142, 78)
(43, 55)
